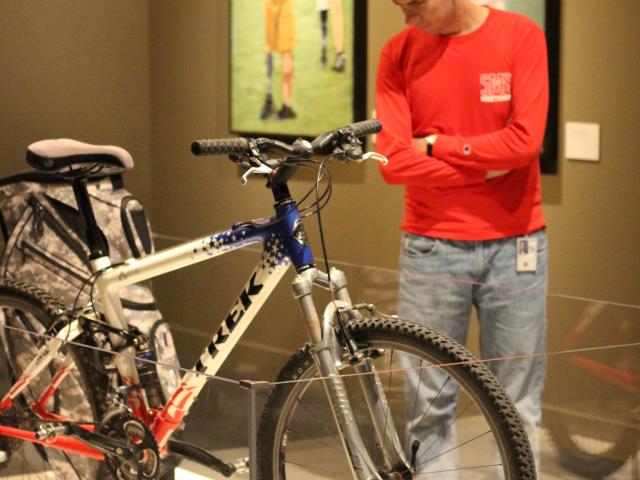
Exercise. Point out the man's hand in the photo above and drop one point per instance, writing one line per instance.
(420, 144)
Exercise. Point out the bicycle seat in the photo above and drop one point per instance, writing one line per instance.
(63, 154)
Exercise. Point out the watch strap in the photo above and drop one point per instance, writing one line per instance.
(431, 139)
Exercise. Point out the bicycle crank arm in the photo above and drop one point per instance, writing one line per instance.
(106, 445)
(204, 458)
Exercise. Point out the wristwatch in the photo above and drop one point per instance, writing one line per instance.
(431, 141)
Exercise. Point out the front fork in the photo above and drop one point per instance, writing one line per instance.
(327, 353)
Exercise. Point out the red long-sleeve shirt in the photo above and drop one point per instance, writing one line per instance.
(485, 94)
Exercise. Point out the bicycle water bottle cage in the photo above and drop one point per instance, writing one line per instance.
(73, 159)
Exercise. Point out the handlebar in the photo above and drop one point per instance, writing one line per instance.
(299, 148)
(250, 153)
(221, 146)
(366, 127)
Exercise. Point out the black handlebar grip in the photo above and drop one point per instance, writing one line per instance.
(323, 142)
(366, 127)
(220, 146)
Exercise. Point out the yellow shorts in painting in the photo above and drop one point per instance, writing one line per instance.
(280, 31)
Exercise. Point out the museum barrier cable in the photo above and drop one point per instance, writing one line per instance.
(237, 382)
(505, 288)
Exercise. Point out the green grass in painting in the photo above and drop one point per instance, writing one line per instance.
(322, 98)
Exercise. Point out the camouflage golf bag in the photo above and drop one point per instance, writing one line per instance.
(43, 244)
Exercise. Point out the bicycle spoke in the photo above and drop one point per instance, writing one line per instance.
(446, 428)
(315, 418)
(26, 465)
(424, 415)
(456, 447)
(315, 440)
(72, 464)
(415, 402)
(460, 469)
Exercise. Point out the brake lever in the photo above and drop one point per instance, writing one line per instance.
(261, 170)
(375, 156)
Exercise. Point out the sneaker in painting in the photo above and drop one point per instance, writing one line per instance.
(341, 62)
(267, 107)
(286, 112)
(323, 57)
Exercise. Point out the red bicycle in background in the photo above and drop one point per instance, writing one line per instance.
(597, 427)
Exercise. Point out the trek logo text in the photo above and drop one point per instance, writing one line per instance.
(237, 312)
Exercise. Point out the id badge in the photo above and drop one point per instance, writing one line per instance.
(527, 257)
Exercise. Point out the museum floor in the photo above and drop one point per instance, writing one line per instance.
(550, 468)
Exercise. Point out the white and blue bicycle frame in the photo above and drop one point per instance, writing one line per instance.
(284, 243)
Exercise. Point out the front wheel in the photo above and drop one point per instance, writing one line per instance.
(420, 371)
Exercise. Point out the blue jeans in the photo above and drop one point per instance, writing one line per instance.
(440, 281)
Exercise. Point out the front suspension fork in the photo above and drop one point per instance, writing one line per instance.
(328, 354)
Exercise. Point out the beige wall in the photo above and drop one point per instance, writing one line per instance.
(592, 209)
(76, 69)
(127, 72)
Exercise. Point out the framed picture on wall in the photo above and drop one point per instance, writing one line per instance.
(298, 67)
(547, 14)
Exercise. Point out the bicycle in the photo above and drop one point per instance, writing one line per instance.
(341, 394)
(596, 435)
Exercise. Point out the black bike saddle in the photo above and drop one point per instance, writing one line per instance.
(66, 156)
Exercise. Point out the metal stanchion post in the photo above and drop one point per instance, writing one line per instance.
(252, 387)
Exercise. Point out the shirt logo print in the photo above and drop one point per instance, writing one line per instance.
(496, 87)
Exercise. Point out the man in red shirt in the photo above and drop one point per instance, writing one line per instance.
(462, 94)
